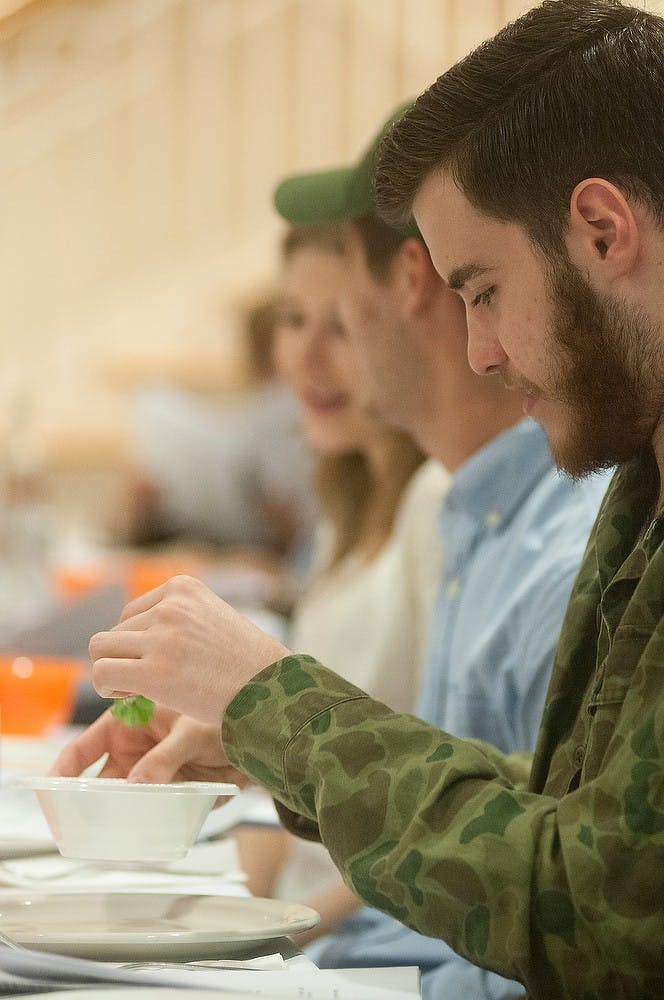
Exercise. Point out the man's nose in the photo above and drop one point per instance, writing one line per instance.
(485, 352)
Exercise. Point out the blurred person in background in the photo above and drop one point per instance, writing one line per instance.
(366, 607)
(237, 475)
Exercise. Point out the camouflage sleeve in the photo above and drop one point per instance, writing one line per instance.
(563, 895)
(514, 768)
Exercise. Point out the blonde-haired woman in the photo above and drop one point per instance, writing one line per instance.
(365, 610)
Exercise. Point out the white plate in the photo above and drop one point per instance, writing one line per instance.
(129, 927)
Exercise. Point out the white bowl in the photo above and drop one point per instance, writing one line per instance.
(110, 819)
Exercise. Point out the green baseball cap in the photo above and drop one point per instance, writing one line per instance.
(338, 194)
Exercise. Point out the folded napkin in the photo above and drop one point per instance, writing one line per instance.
(252, 807)
(207, 868)
(21, 819)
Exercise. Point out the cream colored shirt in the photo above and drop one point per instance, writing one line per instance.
(365, 620)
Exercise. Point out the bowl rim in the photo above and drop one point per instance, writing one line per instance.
(52, 783)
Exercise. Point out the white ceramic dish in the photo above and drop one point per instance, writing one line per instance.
(135, 927)
(110, 819)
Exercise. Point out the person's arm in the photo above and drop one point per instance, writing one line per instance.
(514, 767)
(333, 905)
(262, 852)
(430, 829)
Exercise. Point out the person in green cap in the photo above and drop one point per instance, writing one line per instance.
(342, 193)
(366, 602)
(514, 532)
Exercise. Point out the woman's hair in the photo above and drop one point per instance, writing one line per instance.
(259, 323)
(361, 509)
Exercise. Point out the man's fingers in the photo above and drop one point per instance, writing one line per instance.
(85, 750)
(142, 603)
(151, 598)
(127, 645)
(116, 658)
(138, 622)
(164, 761)
(112, 769)
(112, 677)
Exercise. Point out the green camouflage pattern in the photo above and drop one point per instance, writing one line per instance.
(557, 882)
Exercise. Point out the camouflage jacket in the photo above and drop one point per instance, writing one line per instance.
(556, 880)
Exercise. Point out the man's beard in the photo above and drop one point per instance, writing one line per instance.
(609, 380)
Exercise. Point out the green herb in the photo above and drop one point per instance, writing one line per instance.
(133, 711)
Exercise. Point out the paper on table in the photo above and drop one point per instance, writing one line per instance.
(22, 970)
(118, 992)
(109, 991)
(304, 983)
(261, 962)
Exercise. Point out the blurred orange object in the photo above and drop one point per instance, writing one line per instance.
(147, 572)
(74, 581)
(37, 692)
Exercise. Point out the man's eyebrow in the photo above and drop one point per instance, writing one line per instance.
(460, 275)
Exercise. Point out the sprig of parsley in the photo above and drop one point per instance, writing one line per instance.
(134, 710)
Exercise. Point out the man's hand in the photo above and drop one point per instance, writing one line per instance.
(171, 747)
(184, 648)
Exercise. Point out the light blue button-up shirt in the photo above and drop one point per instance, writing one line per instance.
(514, 530)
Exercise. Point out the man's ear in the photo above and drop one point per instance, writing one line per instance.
(604, 234)
(413, 270)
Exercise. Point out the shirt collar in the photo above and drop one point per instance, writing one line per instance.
(625, 517)
(491, 485)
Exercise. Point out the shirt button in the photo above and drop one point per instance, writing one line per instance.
(579, 755)
(492, 519)
(452, 588)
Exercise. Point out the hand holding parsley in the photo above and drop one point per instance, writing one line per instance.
(134, 710)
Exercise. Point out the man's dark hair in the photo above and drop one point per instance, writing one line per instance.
(380, 243)
(573, 89)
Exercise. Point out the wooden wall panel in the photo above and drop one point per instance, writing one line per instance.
(471, 21)
(428, 45)
(320, 84)
(374, 68)
(140, 141)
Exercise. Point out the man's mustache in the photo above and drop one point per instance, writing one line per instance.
(516, 383)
